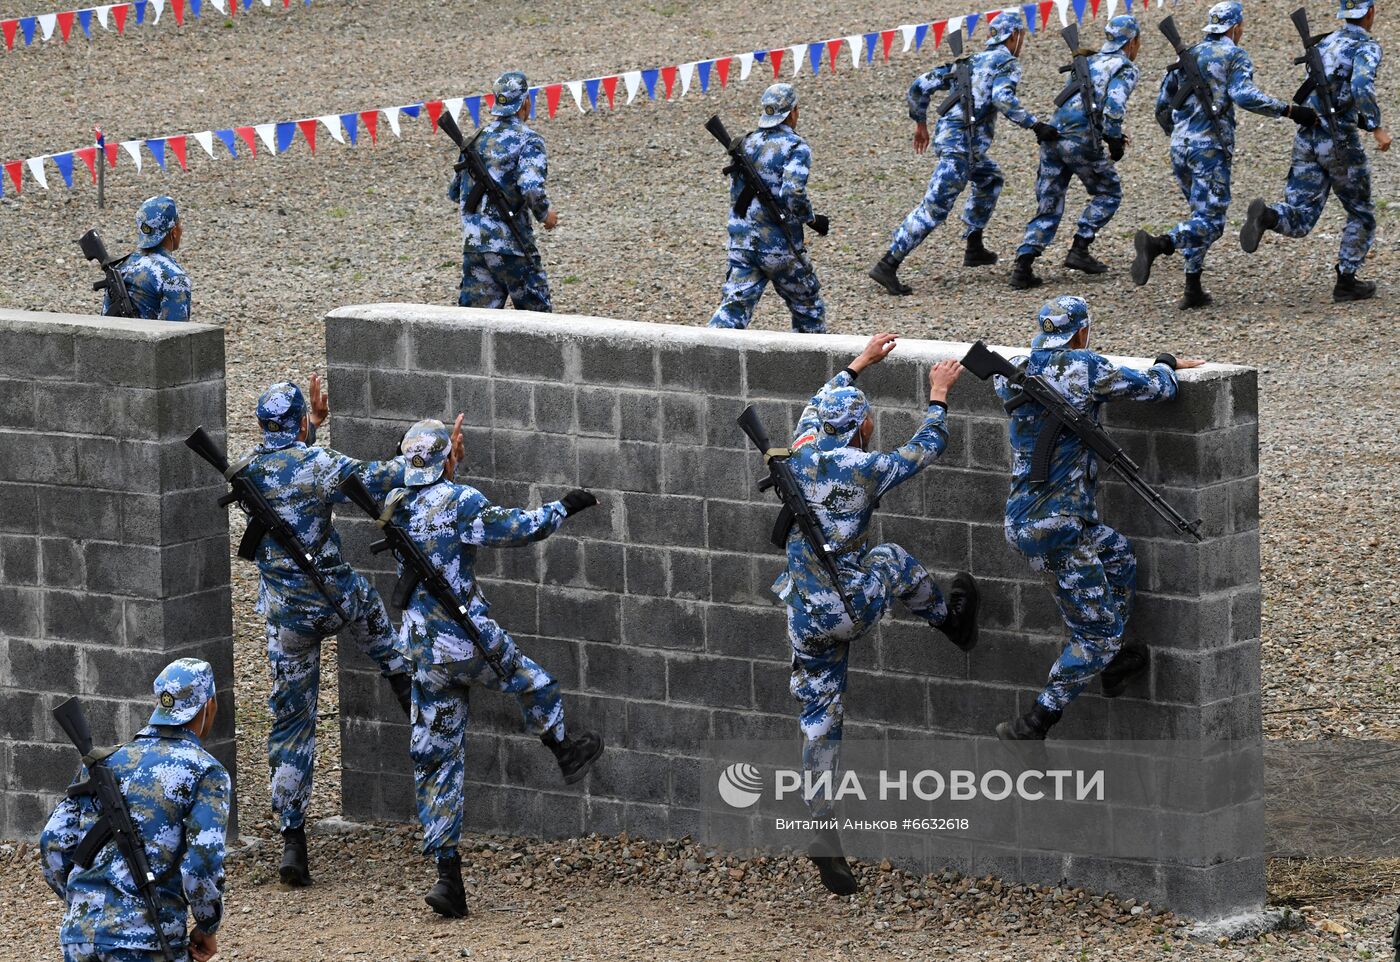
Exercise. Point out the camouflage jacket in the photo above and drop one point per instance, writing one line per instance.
(995, 76)
(784, 161)
(1230, 74)
(158, 285)
(516, 159)
(1114, 77)
(1352, 58)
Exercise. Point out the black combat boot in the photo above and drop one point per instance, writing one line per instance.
(1350, 289)
(976, 255)
(575, 755)
(884, 274)
(1031, 726)
(448, 896)
(295, 870)
(1261, 217)
(825, 853)
(1023, 274)
(1079, 258)
(1149, 247)
(1194, 295)
(961, 624)
(1130, 662)
(403, 692)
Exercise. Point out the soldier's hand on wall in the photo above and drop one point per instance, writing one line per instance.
(1382, 139)
(551, 219)
(320, 405)
(941, 377)
(875, 351)
(1184, 362)
(921, 138)
(577, 500)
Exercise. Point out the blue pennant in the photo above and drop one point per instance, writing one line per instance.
(226, 137)
(27, 24)
(920, 32)
(64, 163)
(592, 87)
(814, 56)
(760, 55)
(1079, 10)
(412, 110)
(703, 68)
(474, 108)
(351, 123)
(247, 4)
(196, 7)
(285, 132)
(649, 78)
(140, 11)
(85, 21)
(157, 148)
(870, 39)
(971, 24)
(1029, 11)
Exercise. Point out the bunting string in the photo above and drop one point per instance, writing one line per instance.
(114, 18)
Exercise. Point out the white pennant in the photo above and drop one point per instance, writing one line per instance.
(133, 147)
(799, 57)
(745, 65)
(855, 45)
(454, 105)
(687, 74)
(1112, 5)
(632, 79)
(391, 114)
(36, 167)
(159, 5)
(1064, 12)
(333, 125)
(205, 139)
(907, 31)
(267, 3)
(47, 21)
(102, 13)
(576, 91)
(219, 5)
(267, 133)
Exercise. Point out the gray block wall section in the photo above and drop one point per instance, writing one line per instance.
(655, 613)
(114, 557)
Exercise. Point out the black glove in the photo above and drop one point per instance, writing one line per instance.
(1302, 115)
(1164, 120)
(820, 223)
(1168, 359)
(1115, 147)
(1045, 133)
(576, 500)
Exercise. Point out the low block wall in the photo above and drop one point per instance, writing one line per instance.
(114, 557)
(655, 612)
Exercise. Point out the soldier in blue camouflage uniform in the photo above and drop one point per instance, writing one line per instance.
(178, 797)
(1351, 57)
(962, 151)
(759, 251)
(301, 482)
(1078, 153)
(843, 482)
(1200, 161)
(1056, 524)
(494, 264)
(157, 284)
(450, 522)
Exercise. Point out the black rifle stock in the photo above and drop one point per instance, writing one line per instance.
(1195, 83)
(1081, 84)
(118, 297)
(1317, 80)
(483, 184)
(418, 569)
(263, 519)
(962, 86)
(1064, 416)
(796, 510)
(754, 187)
(114, 822)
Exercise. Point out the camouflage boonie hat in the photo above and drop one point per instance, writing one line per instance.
(509, 90)
(1354, 9)
(775, 104)
(426, 446)
(1120, 32)
(154, 219)
(181, 690)
(1003, 25)
(1059, 320)
(842, 411)
(280, 410)
(1224, 17)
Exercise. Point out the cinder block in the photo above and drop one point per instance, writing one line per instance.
(542, 458)
(45, 458)
(665, 520)
(624, 671)
(29, 353)
(21, 612)
(633, 777)
(690, 575)
(408, 395)
(663, 623)
(707, 680)
(539, 357)
(646, 571)
(180, 409)
(598, 411)
(739, 526)
(19, 506)
(915, 647)
(42, 768)
(628, 364)
(119, 569)
(660, 727)
(972, 708)
(742, 579)
(789, 375)
(513, 405)
(748, 632)
(19, 560)
(619, 465)
(1204, 458)
(445, 348)
(641, 416)
(1202, 677)
(16, 403)
(81, 616)
(583, 615)
(554, 408)
(701, 369)
(683, 419)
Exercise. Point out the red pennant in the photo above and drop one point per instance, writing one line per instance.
(610, 88)
(1094, 7)
(286, 4)
(940, 27)
(489, 100)
(178, 8)
(308, 130)
(833, 47)
(15, 168)
(668, 75)
(722, 68)
(177, 147)
(1045, 7)
(1144, 4)
(120, 11)
(371, 122)
(775, 57)
(111, 151)
(990, 15)
(65, 23)
(9, 27)
(246, 134)
(551, 98)
(886, 38)
(88, 155)
(434, 109)
(232, 8)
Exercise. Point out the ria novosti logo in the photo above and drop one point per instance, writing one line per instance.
(740, 785)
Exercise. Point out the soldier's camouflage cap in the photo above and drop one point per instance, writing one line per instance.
(1354, 9)
(842, 411)
(775, 104)
(154, 219)
(280, 410)
(1058, 320)
(1003, 25)
(510, 90)
(1120, 32)
(426, 446)
(181, 689)
(1224, 17)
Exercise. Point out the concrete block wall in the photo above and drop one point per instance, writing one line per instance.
(114, 557)
(654, 610)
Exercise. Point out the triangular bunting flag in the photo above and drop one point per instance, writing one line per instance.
(226, 137)
(111, 151)
(668, 79)
(1079, 10)
(157, 149)
(133, 148)
(610, 88)
(351, 124)
(15, 169)
(722, 68)
(687, 73)
(489, 100)
(920, 32)
(140, 6)
(799, 56)
(703, 70)
(85, 22)
(88, 155)
(814, 57)
(27, 26)
(159, 5)
(1028, 12)
(1112, 7)
(36, 170)
(9, 28)
(119, 13)
(205, 139)
(853, 45)
(453, 105)
(592, 87)
(775, 57)
(196, 7)
(632, 80)
(391, 114)
(970, 25)
(332, 124)
(649, 77)
(1045, 7)
(886, 38)
(906, 31)
(102, 13)
(434, 111)
(371, 121)
(65, 27)
(576, 91)
(47, 22)
(308, 130)
(64, 163)
(284, 132)
(870, 40)
(178, 146)
(267, 133)
(1094, 7)
(177, 7)
(474, 108)
(412, 110)
(745, 65)
(552, 94)
(939, 28)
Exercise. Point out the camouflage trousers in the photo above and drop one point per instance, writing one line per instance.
(1203, 175)
(794, 280)
(950, 176)
(295, 660)
(439, 740)
(1322, 165)
(1060, 162)
(489, 278)
(1095, 574)
(821, 637)
(87, 952)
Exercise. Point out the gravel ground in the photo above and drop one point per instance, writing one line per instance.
(273, 243)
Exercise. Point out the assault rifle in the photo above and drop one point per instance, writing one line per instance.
(962, 86)
(263, 519)
(119, 300)
(1195, 83)
(483, 184)
(796, 510)
(114, 822)
(1081, 84)
(1317, 80)
(755, 188)
(1064, 416)
(418, 569)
